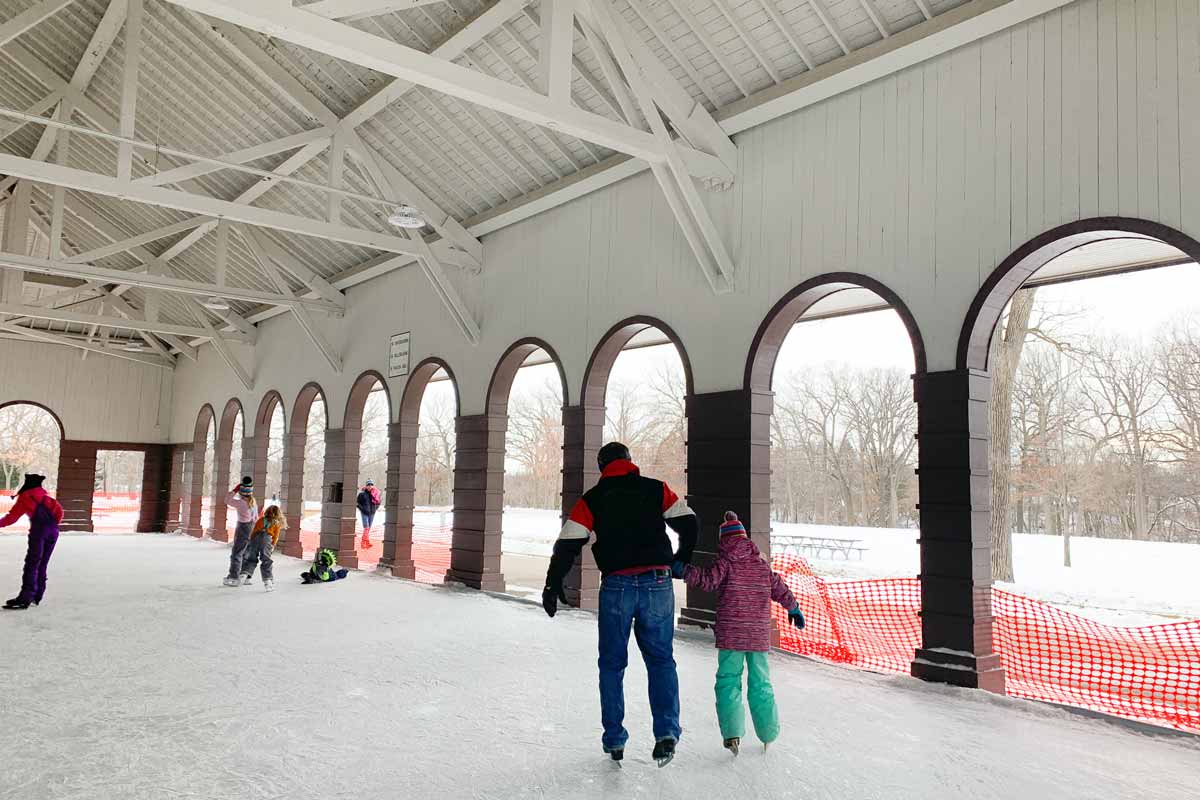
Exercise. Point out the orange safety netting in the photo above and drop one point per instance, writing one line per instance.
(430, 548)
(1149, 673)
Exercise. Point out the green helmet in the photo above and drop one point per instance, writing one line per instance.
(326, 558)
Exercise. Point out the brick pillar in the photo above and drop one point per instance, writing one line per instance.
(478, 501)
(179, 460)
(250, 466)
(400, 499)
(193, 498)
(728, 455)
(76, 484)
(291, 494)
(156, 488)
(583, 429)
(955, 506)
(222, 452)
(337, 516)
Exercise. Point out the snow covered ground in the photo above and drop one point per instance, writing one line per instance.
(1114, 581)
(142, 677)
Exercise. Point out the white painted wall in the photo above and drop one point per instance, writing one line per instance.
(98, 399)
(924, 180)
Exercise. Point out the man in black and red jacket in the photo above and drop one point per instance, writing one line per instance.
(629, 516)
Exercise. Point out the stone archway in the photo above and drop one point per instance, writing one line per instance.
(221, 480)
(400, 502)
(193, 498)
(294, 443)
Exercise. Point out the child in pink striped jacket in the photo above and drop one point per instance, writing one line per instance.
(745, 587)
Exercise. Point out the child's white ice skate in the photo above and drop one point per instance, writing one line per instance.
(269, 585)
(246, 580)
(232, 582)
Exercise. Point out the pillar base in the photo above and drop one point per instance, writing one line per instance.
(486, 581)
(218, 534)
(293, 548)
(348, 560)
(196, 532)
(405, 569)
(959, 669)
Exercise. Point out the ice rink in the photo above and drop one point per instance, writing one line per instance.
(141, 676)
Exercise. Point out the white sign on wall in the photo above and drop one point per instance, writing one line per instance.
(398, 354)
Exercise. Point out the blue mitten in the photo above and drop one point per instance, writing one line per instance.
(796, 617)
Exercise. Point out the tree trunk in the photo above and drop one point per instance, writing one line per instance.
(1004, 359)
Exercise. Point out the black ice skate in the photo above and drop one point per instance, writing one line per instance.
(617, 755)
(16, 604)
(664, 751)
(732, 745)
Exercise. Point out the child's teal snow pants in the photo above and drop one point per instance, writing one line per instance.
(730, 712)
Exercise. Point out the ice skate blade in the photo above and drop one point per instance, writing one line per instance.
(662, 762)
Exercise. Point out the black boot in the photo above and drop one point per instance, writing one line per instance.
(617, 755)
(664, 751)
(16, 604)
(733, 744)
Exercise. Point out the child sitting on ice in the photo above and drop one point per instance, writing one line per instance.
(263, 540)
(324, 568)
(745, 587)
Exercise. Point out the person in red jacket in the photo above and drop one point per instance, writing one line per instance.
(45, 514)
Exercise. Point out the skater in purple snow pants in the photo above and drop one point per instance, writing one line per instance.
(45, 514)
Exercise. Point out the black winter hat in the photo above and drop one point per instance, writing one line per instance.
(32, 481)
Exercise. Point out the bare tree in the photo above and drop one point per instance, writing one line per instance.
(29, 441)
(435, 451)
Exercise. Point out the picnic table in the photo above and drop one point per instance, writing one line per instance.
(796, 544)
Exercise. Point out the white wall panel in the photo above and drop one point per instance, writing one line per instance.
(924, 180)
(100, 399)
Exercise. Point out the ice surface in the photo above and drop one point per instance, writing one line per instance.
(142, 677)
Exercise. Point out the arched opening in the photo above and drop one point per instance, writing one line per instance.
(525, 400)
(833, 427)
(265, 459)
(836, 358)
(30, 441)
(365, 427)
(1088, 337)
(227, 469)
(635, 390)
(418, 544)
(303, 471)
(198, 499)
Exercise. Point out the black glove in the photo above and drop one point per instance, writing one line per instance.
(677, 569)
(795, 616)
(550, 597)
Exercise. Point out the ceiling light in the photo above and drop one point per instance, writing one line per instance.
(133, 346)
(216, 304)
(407, 217)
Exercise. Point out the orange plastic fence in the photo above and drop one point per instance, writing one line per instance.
(430, 551)
(1149, 673)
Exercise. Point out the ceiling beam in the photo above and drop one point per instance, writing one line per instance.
(89, 272)
(188, 172)
(84, 181)
(259, 242)
(129, 88)
(341, 41)
(104, 321)
(125, 245)
(30, 17)
(303, 319)
(361, 9)
(52, 338)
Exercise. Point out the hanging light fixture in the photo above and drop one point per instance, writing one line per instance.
(215, 304)
(407, 217)
(134, 346)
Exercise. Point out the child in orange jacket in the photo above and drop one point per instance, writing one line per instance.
(263, 539)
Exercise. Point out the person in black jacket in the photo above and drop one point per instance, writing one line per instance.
(629, 516)
(368, 502)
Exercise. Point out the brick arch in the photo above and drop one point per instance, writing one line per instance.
(583, 432)
(764, 350)
(402, 467)
(505, 372)
(339, 519)
(1011, 274)
(222, 468)
(271, 401)
(754, 506)
(62, 431)
(193, 498)
(604, 356)
(295, 440)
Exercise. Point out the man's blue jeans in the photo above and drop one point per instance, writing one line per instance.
(646, 603)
